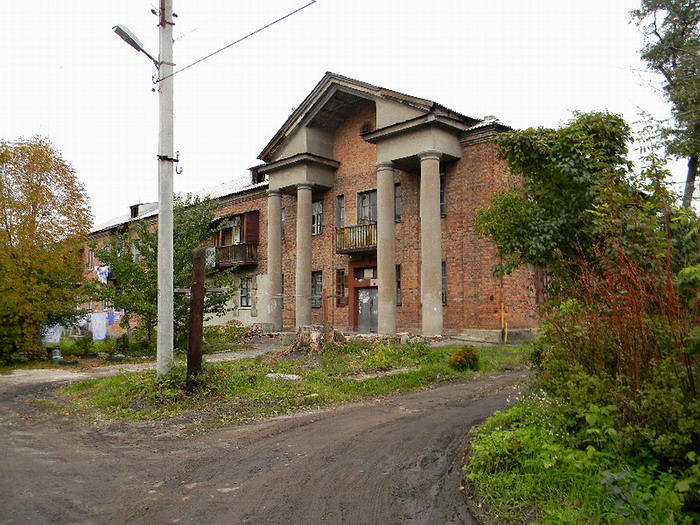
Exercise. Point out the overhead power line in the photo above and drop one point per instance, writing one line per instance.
(238, 41)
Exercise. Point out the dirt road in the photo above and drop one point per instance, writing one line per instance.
(386, 461)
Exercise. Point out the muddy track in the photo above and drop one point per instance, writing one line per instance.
(386, 461)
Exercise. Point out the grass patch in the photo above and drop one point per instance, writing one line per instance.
(240, 389)
(579, 449)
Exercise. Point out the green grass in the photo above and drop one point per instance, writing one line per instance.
(565, 454)
(239, 390)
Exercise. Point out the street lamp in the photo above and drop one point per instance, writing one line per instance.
(130, 38)
(166, 159)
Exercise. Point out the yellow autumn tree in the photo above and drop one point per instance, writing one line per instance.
(44, 219)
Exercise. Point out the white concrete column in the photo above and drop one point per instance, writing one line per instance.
(274, 258)
(431, 244)
(386, 249)
(303, 264)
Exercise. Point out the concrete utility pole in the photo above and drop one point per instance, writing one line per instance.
(166, 159)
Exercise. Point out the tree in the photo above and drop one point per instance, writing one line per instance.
(544, 217)
(132, 255)
(672, 48)
(44, 218)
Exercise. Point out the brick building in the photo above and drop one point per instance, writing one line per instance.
(361, 214)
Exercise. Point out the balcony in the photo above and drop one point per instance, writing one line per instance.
(356, 238)
(236, 255)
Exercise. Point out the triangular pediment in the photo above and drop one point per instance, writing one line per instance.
(335, 98)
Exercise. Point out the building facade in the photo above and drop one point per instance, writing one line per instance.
(361, 216)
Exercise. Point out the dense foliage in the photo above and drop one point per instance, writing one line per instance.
(580, 449)
(544, 215)
(44, 217)
(672, 31)
(132, 255)
(611, 429)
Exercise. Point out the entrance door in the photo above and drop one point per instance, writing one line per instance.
(367, 309)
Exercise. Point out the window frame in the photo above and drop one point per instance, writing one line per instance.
(443, 282)
(371, 207)
(398, 203)
(245, 293)
(340, 211)
(340, 287)
(443, 205)
(317, 289)
(316, 217)
(399, 297)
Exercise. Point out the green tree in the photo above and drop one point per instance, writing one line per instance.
(44, 218)
(672, 31)
(544, 216)
(132, 255)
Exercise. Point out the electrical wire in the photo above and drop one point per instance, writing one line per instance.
(238, 41)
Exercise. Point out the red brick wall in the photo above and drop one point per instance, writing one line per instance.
(474, 296)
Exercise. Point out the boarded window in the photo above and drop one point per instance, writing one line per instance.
(251, 227)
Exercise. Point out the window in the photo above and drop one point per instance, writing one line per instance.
(367, 207)
(443, 208)
(444, 283)
(230, 234)
(398, 285)
(340, 288)
(316, 218)
(241, 229)
(91, 259)
(89, 305)
(316, 290)
(284, 222)
(135, 252)
(369, 272)
(397, 202)
(245, 299)
(340, 211)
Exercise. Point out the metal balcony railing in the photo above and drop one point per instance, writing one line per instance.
(356, 238)
(236, 254)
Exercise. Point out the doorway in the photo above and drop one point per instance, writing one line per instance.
(367, 310)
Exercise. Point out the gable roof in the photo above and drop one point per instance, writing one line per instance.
(332, 82)
(148, 210)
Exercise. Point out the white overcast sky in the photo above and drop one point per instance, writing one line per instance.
(66, 76)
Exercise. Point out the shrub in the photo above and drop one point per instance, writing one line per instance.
(579, 448)
(231, 332)
(84, 345)
(465, 358)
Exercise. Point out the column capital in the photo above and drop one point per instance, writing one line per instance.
(274, 193)
(385, 165)
(304, 185)
(430, 154)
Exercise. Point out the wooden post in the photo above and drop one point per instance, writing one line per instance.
(194, 346)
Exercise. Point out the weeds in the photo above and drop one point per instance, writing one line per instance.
(241, 389)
